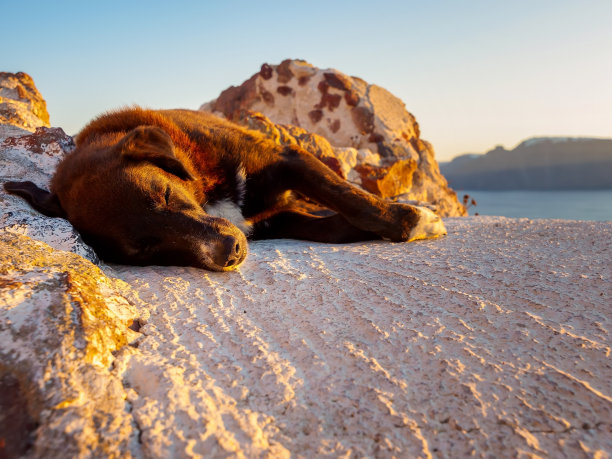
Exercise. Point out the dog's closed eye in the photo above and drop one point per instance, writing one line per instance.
(167, 195)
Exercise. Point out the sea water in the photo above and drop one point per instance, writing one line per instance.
(569, 205)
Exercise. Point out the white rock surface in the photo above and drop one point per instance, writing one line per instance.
(491, 341)
(34, 156)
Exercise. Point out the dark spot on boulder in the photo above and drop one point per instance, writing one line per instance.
(315, 115)
(284, 72)
(351, 98)
(375, 137)
(331, 101)
(363, 119)
(284, 90)
(266, 95)
(335, 126)
(338, 81)
(328, 100)
(266, 71)
(303, 80)
(384, 150)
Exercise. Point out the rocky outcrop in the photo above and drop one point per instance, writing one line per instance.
(21, 104)
(371, 139)
(61, 321)
(61, 318)
(34, 156)
(543, 163)
(495, 338)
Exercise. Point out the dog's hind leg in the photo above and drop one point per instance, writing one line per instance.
(303, 172)
(298, 225)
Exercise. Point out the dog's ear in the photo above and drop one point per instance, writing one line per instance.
(46, 203)
(152, 144)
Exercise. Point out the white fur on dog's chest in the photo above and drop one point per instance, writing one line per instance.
(230, 211)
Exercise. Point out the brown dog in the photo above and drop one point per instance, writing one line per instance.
(179, 187)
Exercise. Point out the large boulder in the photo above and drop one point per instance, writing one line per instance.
(368, 129)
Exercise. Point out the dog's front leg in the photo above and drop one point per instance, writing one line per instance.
(303, 172)
(291, 224)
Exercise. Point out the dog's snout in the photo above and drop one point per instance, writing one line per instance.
(230, 251)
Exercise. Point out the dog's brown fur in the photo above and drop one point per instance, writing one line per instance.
(146, 187)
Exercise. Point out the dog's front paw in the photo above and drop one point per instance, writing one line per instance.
(429, 225)
(414, 222)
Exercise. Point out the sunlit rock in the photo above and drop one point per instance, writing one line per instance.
(348, 113)
(21, 104)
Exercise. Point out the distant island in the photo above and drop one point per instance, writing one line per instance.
(542, 163)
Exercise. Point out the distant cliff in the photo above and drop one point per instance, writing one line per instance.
(547, 163)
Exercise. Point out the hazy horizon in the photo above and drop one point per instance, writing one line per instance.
(512, 147)
(475, 74)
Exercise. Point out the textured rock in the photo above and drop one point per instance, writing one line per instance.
(492, 341)
(20, 102)
(61, 319)
(348, 113)
(33, 156)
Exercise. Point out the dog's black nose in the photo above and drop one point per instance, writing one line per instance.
(231, 251)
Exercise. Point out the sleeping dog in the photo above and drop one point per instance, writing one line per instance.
(180, 187)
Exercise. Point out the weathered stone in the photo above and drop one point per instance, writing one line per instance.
(34, 157)
(287, 134)
(20, 102)
(349, 113)
(388, 181)
(61, 320)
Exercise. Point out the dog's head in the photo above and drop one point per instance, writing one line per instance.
(136, 202)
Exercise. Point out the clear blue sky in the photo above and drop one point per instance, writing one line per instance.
(474, 73)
